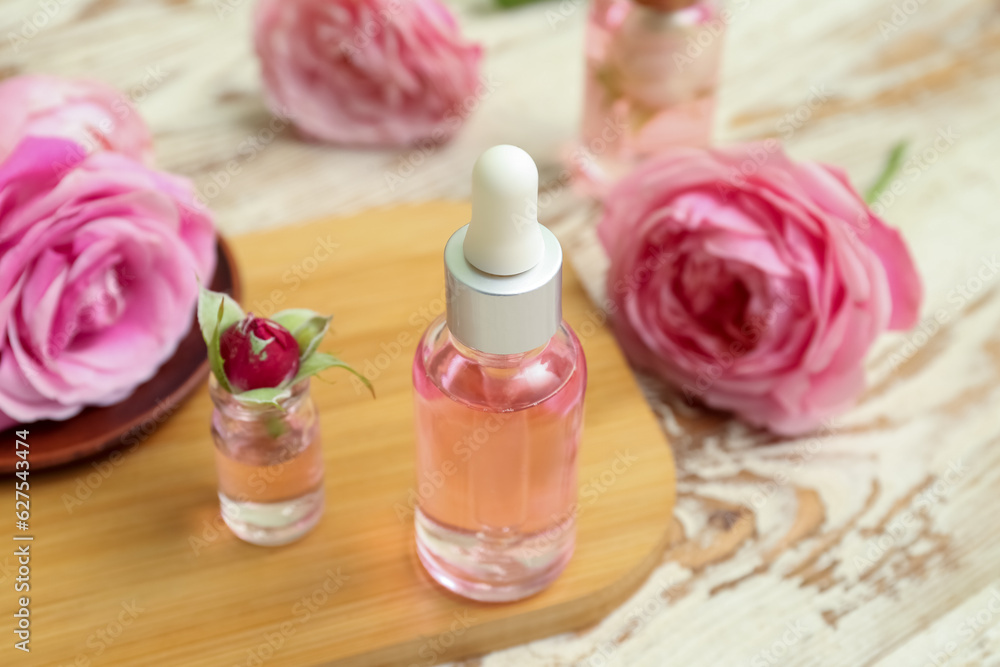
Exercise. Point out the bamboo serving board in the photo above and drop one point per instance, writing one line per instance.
(131, 564)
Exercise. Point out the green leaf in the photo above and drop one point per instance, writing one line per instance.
(264, 396)
(892, 164)
(321, 361)
(215, 360)
(307, 327)
(216, 313)
(293, 318)
(209, 303)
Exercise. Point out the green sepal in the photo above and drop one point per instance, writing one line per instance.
(258, 345)
(216, 313)
(269, 396)
(215, 361)
(321, 361)
(307, 326)
(210, 315)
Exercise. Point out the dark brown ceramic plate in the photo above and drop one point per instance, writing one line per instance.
(98, 429)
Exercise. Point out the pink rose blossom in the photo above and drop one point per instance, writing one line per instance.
(754, 283)
(367, 72)
(91, 113)
(100, 259)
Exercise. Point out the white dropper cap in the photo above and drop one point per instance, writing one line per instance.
(503, 270)
(504, 236)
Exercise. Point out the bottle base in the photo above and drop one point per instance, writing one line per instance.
(273, 524)
(490, 568)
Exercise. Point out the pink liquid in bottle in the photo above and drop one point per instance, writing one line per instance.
(498, 386)
(497, 446)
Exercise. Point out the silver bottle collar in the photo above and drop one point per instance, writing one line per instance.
(503, 314)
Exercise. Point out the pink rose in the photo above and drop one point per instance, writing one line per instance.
(754, 283)
(367, 72)
(91, 113)
(100, 259)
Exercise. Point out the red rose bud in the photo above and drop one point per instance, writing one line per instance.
(258, 353)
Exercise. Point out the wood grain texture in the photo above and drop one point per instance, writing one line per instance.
(144, 530)
(839, 82)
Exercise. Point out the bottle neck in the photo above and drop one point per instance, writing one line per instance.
(498, 361)
(232, 407)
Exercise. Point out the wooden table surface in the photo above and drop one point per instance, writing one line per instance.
(883, 545)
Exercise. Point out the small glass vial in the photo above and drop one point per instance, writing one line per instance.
(499, 386)
(651, 76)
(270, 465)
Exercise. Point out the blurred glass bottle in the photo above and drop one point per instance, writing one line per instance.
(651, 78)
(270, 465)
